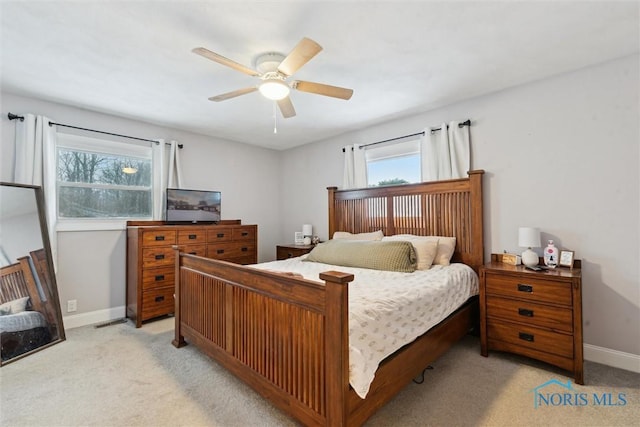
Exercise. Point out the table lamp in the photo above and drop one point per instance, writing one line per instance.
(529, 237)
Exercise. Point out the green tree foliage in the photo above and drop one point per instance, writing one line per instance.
(394, 181)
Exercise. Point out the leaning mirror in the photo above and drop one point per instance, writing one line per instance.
(30, 315)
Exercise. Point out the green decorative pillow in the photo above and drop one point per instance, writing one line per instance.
(377, 255)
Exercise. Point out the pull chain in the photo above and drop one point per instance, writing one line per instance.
(275, 118)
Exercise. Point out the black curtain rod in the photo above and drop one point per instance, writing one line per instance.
(465, 123)
(21, 118)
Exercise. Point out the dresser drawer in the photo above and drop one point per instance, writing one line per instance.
(222, 234)
(531, 337)
(200, 250)
(158, 238)
(244, 233)
(560, 319)
(196, 236)
(230, 250)
(157, 257)
(529, 288)
(157, 302)
(158, 277)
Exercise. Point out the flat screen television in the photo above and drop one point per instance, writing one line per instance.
(193, 206)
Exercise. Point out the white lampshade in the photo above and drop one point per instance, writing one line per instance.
(307, 230)
(529, 237)
(274, 89)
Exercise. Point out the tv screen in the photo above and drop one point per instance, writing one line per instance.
(193, 206)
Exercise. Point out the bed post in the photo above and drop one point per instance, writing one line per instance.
(178, 340)
(477, 236)
(336, 346)
(332, 211)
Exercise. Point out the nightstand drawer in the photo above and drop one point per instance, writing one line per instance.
(530, 313)
(529, 288)
(530, 337)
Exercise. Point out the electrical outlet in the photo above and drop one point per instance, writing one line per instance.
(72, 305)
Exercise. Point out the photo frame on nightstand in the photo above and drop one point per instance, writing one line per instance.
(566, 259)
(298, 238)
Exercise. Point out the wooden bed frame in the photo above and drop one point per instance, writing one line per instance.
(288, 337)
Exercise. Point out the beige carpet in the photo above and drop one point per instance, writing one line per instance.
(122, 376)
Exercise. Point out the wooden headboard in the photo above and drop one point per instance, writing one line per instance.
(17, 281)
(439, 208)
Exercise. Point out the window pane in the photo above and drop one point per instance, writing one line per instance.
(103, 185)
(83, 202)
(394, 170)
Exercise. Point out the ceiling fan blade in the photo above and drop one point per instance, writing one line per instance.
(300, 55)
(286, 107)
(322, 89)
(224, 61)
(233, 94)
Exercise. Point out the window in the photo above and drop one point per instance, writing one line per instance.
(99, 180)
(397, 163)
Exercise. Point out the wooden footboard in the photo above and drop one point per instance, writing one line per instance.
(284, 336)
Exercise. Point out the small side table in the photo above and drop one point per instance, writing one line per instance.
(534, 314)
(291, 250)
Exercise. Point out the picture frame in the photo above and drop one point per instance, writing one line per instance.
(566, 259)
(298, 238)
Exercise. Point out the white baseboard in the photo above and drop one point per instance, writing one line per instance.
(615, 358)
(98, 316)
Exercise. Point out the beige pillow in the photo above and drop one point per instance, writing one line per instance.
(16, 306)
(345, 235)
(425, 249)
(446, 246)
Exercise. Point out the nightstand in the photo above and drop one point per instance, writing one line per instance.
(533, 314)
(292, 251)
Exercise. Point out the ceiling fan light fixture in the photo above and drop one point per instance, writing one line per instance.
(274, 89)
(129, 170)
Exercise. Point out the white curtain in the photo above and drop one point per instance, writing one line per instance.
(35, 164)
(445, 154)
(355, 167)
(167, 174)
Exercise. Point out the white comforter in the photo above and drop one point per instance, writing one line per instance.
(388, 310)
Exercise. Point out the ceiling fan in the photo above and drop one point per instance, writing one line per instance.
(274, 70)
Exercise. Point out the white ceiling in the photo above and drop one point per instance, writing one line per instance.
(134, 59)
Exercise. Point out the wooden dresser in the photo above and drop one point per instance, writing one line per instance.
(534, 314)
(151, 259)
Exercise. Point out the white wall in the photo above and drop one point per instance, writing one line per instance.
(560, 154)
(91, 265)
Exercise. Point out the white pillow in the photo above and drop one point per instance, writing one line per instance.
(425, 250)
(12, 307)
(374, 235)
(446, 246)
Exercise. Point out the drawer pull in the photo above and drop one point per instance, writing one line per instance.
(220, 235)
(525, 337)
(220, 251)
(525, 312)
(244, 249)
(192, 253)
(160, 299)
(159, 238)
(245, 233)
(160, 277)
(161, 256)
(525, 288)
(192, 236)
(289, 255)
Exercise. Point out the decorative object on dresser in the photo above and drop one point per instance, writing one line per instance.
(566, 259)
(529, 237)
(533, 314)
(307, 232)
(151, 259)
(292, 251)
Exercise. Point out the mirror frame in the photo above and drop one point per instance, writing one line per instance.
(54, 304)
